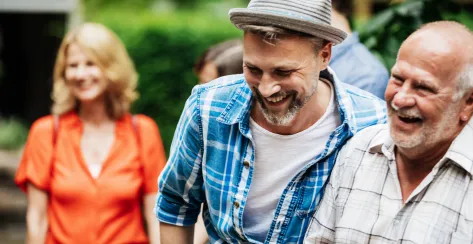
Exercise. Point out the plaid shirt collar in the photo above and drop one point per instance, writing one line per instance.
(459, 152)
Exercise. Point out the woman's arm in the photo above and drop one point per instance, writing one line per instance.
(151, 220)
(36, 215)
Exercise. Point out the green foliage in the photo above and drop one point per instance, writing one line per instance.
(385, 32)
(13, 134)
(164, 48)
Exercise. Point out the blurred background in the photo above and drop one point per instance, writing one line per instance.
(164, 39)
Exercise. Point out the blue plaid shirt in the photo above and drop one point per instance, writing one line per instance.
(212, 156)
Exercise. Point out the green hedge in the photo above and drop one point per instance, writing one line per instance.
(164, 48)
(385, 32)
(13, 133)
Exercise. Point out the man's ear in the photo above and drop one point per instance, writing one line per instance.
(467, 110)
(325, 55)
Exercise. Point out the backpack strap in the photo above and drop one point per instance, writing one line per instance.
(55, 133)
(55, 129)
(136, 129)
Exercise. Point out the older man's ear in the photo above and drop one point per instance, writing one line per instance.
(467, 110)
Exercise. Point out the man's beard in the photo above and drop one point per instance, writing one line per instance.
(428, 134)
(294, 107)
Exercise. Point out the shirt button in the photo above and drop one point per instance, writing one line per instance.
(246, 164)
(236, 204)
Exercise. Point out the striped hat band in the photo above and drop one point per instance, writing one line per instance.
(312, 17)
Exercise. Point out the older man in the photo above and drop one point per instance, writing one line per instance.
(411, 181)
(256, 150)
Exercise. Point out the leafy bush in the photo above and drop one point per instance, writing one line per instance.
(164, 48)
(13, 134)
(386, 31)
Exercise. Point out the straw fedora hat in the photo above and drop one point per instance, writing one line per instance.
(312, 17)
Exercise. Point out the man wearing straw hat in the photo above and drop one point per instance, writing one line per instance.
(256, 149)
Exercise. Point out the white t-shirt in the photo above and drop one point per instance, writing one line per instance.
(278, 158)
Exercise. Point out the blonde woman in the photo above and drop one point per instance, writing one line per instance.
(90, 169)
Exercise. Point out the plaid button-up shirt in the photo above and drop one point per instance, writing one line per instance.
(363, 201)
(212, 156)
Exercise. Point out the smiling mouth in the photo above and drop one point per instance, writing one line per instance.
(278, 100)
(409, 119)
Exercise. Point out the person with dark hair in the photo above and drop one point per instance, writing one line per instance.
(225, 58)
(351, 60)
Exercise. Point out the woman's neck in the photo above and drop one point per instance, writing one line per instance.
(94, 113)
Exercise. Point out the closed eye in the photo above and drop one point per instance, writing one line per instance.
(253, 70)
(424, 88)
(283, 73)
(398, 78)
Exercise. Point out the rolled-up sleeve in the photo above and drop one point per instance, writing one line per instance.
(180, 193)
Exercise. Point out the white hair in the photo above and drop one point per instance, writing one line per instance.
(464, 81)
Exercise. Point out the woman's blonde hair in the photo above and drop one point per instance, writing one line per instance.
(107, 51)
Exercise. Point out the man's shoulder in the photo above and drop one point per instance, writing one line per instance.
(361, 95)
(226, 98)
(370, 136)
(224, 86)
(364, 105)
(368, 140)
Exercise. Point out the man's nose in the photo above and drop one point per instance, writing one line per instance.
(268, 86)
(404, 97)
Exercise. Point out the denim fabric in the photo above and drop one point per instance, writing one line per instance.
(356, 65)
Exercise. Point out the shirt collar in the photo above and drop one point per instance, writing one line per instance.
(459, 152)
(238, 109)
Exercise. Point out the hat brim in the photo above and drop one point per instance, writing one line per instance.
(244, 16)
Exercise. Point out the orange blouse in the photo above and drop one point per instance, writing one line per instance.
(83, 209)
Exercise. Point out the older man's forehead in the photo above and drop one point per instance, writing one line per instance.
(407, 70)
(438, 60)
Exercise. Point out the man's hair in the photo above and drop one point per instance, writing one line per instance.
(270, 35)
(464, 81)
(344, 7)
(227, 56)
